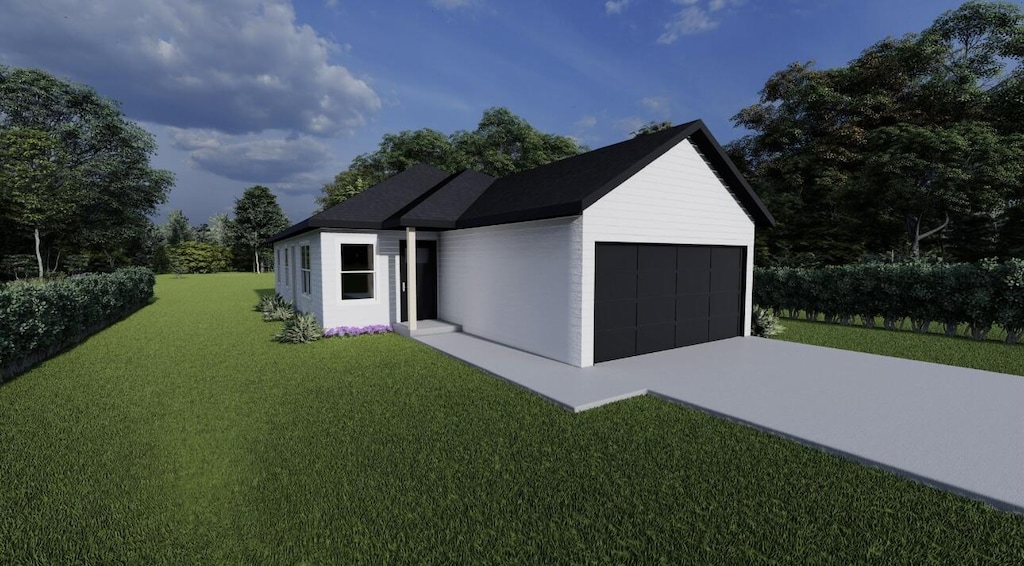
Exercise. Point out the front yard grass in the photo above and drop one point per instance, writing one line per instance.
(183, 434)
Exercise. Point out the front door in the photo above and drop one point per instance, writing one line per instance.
(426, 280)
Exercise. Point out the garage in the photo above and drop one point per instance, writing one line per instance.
(653, 297)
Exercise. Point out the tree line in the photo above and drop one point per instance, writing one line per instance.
(914, 149)
(77, 191)
(222, 243)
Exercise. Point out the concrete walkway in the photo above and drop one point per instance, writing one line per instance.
(958, 429)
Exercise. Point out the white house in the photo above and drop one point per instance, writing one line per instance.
(633, 248)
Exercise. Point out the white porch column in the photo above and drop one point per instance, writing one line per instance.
(410, 275)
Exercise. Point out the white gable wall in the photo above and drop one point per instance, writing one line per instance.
(677, 199)
(516, 284)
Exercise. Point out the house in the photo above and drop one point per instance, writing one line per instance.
(637, 247)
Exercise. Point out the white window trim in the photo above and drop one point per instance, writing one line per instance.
(303, 271)
(378, 262)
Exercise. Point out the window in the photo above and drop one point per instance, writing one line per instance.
(356, 271)
(305, 267)
(287, 272)
(277, 264)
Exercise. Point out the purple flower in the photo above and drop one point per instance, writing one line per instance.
(358, 330)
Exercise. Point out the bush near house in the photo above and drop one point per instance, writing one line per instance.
(974, 296)
(41, 318)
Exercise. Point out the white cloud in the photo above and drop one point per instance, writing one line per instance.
(656, 104)
(615, 6)
(286, 160)
(629, 124)
(586, 123)
(694, 18)
(237, 66)
(687, 22)
(452, 4)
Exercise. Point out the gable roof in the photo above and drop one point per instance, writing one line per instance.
(426, 197)
(377, 207)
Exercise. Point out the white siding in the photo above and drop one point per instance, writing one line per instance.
(677, 199)
(359, 312)
(515, 284)
(290, 284)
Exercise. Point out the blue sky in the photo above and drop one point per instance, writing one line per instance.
(285, 93)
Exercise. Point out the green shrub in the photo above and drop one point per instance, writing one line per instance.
(278, 313)
(764, 323)
(268, 303)
(42, 318)
(275, 307)
(198, 257)
(977, 295)
(300, 329)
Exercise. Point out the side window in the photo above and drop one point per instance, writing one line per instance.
(356, 271)
(305, 267)
(287, 271)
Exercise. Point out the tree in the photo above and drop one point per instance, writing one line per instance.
(502, 144)
(76, 172)
(177, 229)
(30, 178)
(217, 230)
(857, 159)
(651, 127)
(257, 217)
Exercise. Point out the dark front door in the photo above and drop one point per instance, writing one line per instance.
(426, 280)
(652, 297)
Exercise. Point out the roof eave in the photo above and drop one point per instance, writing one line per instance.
(543, 213)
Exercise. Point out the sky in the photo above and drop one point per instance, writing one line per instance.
(285, 93)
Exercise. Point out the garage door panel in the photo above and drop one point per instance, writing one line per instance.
(726, 304)
(723, 327)
(656, 258)
(656, 310)
(614, 344)
(616, 256)
(655, 338)
(726, 269)
(688, 334)
(652, 283)
(615, 284)
(615, 314)
(692, 306)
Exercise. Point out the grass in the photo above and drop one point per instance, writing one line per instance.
(183, 434)
(955, 351)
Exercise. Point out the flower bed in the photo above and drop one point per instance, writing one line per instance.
(357, 330)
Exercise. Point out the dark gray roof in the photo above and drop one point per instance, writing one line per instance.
(444, 207)
(426, 197)
(378, 207)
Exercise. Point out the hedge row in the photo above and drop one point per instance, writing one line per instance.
(39, 319)
(978, 295)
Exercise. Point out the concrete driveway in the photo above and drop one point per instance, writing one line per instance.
(957, 429)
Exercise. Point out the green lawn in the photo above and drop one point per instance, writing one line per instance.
(185, 435)
(957, 351)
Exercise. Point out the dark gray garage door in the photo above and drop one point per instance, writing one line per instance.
(651, 297)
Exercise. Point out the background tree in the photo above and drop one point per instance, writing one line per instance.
(651, 127)
(218, 230)
(873, 156)
(502, 144)
(257, 217)
(177, 229)
(76, 173)
(30, 184)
